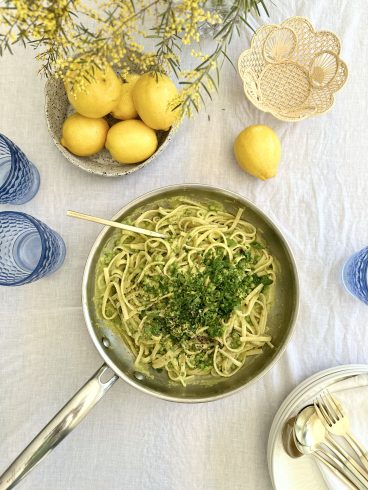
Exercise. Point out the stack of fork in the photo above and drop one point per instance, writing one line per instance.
(335, 419)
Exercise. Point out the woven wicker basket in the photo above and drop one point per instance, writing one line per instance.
(292, 71)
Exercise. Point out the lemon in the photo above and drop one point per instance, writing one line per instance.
(153, 96)
(84, 136)
(258, 151)
(125, 107)
(131, 141)
(100, 95)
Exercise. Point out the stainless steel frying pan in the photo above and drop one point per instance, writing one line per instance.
(118, 362)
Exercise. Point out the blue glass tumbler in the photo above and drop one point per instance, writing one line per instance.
(355, 275)
(29, 249)
(19, 178)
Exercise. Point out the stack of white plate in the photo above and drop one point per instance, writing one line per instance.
(302, 473)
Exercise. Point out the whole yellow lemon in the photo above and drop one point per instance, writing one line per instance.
(84, 136)
(100, 95)
(131, 141)
(125, 108)
(154, 95)
(258, 151)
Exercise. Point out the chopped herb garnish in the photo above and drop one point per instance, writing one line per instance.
(257, 245)
(266, 281)
(204, 297)
(107, 257)
(202, 361)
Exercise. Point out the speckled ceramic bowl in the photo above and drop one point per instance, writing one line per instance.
(57, 108)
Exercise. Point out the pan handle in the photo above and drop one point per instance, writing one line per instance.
(64, 422)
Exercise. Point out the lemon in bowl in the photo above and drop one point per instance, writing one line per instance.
(125, 108)
(99, 96)
(155, 97)
(131, 141)
(84, 136)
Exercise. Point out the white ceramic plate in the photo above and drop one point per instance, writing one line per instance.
(301, 473)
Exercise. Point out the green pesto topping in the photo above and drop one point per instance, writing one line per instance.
(202, 297)
(107, 258)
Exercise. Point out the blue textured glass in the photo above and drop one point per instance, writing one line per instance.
(19, 178)
(29, 249)
(355, 275)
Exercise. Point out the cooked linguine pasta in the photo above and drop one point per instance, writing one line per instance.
(194, 303)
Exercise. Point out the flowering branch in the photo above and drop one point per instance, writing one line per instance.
(73, 37)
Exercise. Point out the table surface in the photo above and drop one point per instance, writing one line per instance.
(319, 199)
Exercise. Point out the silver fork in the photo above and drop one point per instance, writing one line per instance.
(337, 422)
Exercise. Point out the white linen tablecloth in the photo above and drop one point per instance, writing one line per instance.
(319, 198)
